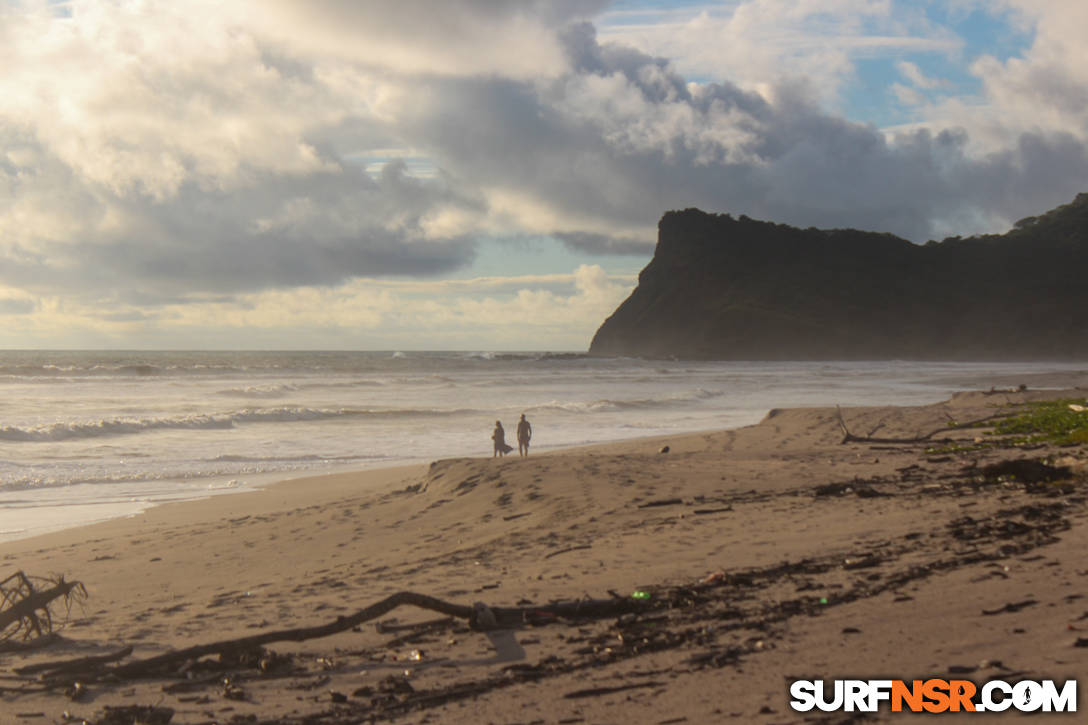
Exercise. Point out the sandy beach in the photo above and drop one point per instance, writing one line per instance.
(759, 556)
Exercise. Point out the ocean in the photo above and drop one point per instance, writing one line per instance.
(88, 436)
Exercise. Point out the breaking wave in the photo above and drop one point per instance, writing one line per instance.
(219, 421)
(606, 406)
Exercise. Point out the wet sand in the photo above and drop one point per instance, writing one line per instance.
(769, 553)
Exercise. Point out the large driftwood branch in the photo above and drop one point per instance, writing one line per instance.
(341, 624)
(61, 666)
(479, 617)
(24, 609)
(849, 437)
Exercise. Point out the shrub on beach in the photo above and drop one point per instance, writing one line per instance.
(1062, 422)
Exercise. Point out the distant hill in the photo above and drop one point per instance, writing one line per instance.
(741, 289)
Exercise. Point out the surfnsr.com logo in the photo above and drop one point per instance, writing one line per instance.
(933, 696)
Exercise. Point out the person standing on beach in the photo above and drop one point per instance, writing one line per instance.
(525, 432)
(499, 436)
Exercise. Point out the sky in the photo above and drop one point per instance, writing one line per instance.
(478, 175)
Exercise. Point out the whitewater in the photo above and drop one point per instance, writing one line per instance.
(87, 436)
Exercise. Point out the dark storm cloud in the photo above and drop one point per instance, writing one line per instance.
(285, 231)
(641, 143)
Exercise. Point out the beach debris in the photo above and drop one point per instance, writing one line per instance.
(480, 617)
(858, 487)
(230, 690)
(1026, 470)
(714, 577)
(661, 502)
(516, 516)
(393, 684)
(595, 691)
(1010, 607)
(860, 562)
(952, 425)
(134, 715)
(79, 665)
(713, 511)
(568, 549)
(664, 449)
(25, 608)
(962, 669)
(76, 692)
(690, 619)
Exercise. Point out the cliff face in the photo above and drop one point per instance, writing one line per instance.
(740, 289)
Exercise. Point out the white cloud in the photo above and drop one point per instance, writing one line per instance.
(761, 42)
(912, 73)
(514, 39)
(908, 96)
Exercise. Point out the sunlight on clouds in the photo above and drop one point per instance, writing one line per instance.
(15, 304)
(142, 99)
(562, 311)
(507, 39)
(1044, 89)
(581, 299)
(532, 214)
(762, 41)
(447, 221)
(265, 166)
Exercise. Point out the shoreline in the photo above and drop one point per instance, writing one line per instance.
(26, 512)
(771, 518)
(216, 487)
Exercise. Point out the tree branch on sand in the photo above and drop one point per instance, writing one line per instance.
(479, 616)
(849, 437)
(24, 609)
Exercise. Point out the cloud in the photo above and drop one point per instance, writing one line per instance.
(514, 39)
(155, 147)
(16, 306)
(157, 156)
(557, 311)
(282, 230)
(912, 73)
(1046, 88)
(762, 42)
(582, 155)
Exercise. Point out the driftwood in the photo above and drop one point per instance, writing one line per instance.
(479, 616)
(24, 610)
(570, 548)
(661, 502)
(596, 691)
(849, 437)
(300, 634)
(62, 666)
